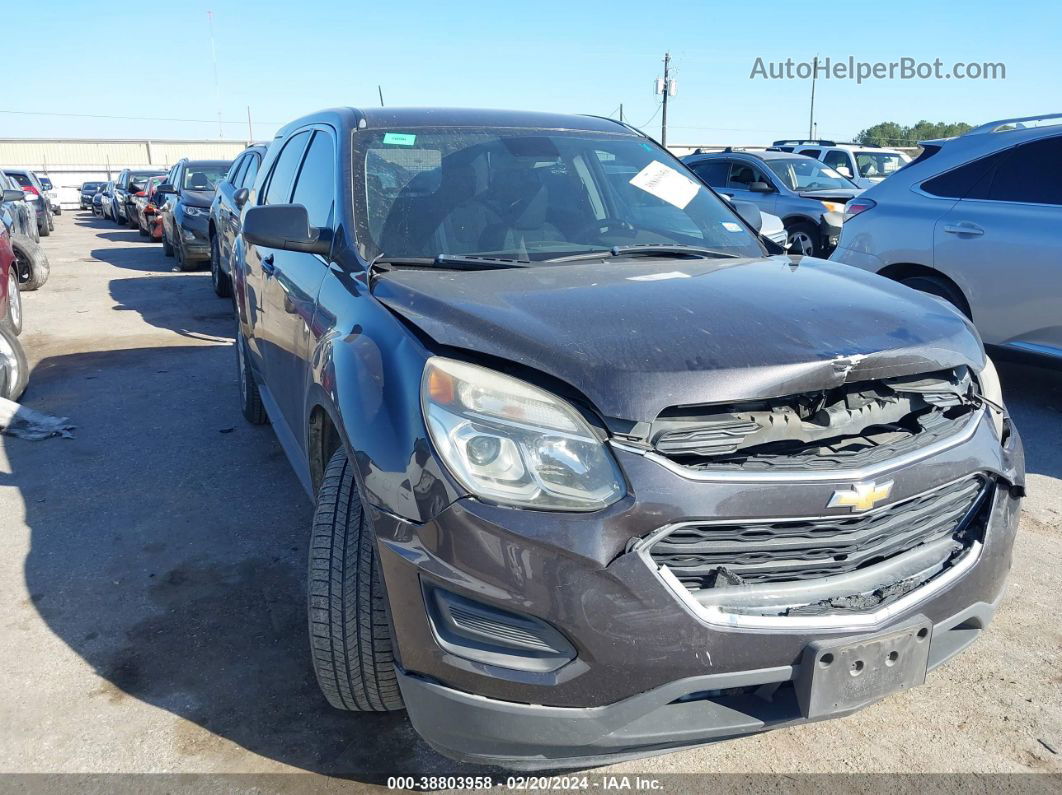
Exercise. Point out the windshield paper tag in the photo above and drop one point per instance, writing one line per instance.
(402, 139)
(656, 277)
(730, 226)
(666, 183)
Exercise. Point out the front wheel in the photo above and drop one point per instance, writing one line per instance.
(250, 398)
(803, 239)
(31, 263)
(14, 302)
(350, 632)
(44, 229)
(14, 369)
(167, 249)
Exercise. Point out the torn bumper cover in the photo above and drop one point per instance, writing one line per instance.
(702, 660)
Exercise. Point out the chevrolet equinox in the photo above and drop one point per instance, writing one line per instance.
(596, 474)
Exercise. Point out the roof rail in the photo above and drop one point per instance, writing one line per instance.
(1018, 123)
(803, 141)
(630, 127)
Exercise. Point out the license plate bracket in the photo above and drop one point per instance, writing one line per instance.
(841, 676)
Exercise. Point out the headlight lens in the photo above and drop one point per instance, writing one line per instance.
(993, 391)
(194, 211)
(512, 443)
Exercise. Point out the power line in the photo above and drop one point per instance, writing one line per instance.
(125, 118)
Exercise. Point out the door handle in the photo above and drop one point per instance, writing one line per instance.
(963, 229)
(268, 268)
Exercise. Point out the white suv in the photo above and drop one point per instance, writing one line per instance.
(976, 220)
(866, 165)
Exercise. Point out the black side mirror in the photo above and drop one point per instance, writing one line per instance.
(760, 187)
(285, 226)
(166, 187)
(239, 198)
(750, 213)
(11, 195)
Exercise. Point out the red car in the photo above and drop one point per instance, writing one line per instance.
(146, 203)
(14, 369)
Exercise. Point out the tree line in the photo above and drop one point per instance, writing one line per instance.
(889, 133)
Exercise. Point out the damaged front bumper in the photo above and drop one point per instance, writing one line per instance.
(650, 665)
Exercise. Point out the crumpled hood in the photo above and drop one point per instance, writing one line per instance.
(640, 335)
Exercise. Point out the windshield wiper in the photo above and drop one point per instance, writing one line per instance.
(650, 250)
(462, 262)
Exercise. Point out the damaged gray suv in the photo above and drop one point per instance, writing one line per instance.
(597, 475)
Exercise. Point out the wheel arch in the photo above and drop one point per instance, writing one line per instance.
(898, 271)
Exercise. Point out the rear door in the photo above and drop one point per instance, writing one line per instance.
(1002, 243)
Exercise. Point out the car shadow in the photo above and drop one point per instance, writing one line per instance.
(177, 304)
(168, 550)
(1033, 394)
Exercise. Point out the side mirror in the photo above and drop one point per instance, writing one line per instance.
(750, 212)
(166, 187)
(239, 198)
(760, 187)
(285, 226)
(13, 195)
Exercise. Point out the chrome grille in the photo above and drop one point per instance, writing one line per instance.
(704, 555)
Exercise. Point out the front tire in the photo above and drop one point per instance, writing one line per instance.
(803, 239)
(167, 249)
(350, 632)
(31, 262)
(44, 229)
(14, 302)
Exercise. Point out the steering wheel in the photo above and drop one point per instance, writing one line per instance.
(604, 226)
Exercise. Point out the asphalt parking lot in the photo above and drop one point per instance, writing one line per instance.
(152, 571)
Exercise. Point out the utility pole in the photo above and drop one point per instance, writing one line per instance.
(380, 89)
(666, 88)
(250, 127)
(621, 112)
(811, 118)
(217, 86)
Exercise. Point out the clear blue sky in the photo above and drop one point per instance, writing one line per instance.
(286, 58)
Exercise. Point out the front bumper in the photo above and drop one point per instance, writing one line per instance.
(639, 647)
(195, 235)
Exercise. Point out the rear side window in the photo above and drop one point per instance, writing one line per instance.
(21, 179)
(315, 186)
(279, 188)
(712, 172)
(247, 177)
(971, 181)
(838, 159)
(1032, 174)
(235, 169)
(810, 153)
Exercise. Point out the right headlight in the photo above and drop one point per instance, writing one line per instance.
(993, 393)
(509, 442)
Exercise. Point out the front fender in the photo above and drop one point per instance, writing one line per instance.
(367, 369)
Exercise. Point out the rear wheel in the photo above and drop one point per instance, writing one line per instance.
(44, 227)
(31, 263)
(141, 227)
(14, 302)
(14, 369)
(350, 632)
(220, 279)
(940, 288)
(250, 397)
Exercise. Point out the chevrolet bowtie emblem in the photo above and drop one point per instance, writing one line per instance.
(860, 496)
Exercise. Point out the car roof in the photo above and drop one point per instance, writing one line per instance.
(208, 162)
(760, 154)
(388, 118)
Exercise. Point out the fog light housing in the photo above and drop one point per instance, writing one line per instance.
(486, 634)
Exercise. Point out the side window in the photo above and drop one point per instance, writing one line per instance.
(1031, 174)
(712, 172)
(247, 177)
(810, 152)
(971, 181)
(315, 186)
(742, 174)
(234, 170)
(837, 159)
(279, 189)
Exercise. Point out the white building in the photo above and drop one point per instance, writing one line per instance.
(68, 162)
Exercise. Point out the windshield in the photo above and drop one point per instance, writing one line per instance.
(138, 181)
(203, 177)
(529, 194)
(879, 164)
(803, 173)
